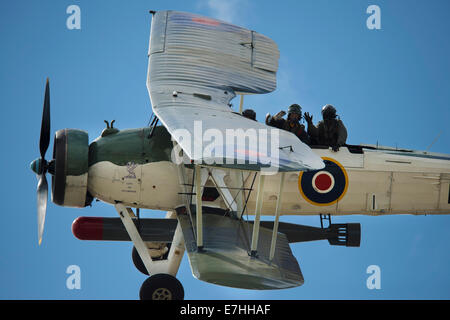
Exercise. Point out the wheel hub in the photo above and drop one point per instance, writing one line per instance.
(162, 294)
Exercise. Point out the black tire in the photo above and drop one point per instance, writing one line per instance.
(161, 286)
(137, 261)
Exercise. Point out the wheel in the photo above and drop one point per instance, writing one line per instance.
(137, 261)
(161, 286)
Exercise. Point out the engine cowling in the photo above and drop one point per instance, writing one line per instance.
(70, 176)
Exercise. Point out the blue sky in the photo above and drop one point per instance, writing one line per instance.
(390, 86)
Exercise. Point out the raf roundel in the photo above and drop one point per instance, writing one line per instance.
(326, 186)
(323, 181)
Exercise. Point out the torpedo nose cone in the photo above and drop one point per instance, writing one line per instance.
(35, 166)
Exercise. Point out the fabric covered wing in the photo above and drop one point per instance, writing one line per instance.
(225, 259)
(225, 139)
(196, 66)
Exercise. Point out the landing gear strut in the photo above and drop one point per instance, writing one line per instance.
(161, 286)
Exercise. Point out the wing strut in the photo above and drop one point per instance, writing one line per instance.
(198, 203)
(277, 218)
(259, 201)
(241, 104)
(217, 177)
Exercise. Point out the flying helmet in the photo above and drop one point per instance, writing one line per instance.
(249, 113)
(328, 112)
(295, 108)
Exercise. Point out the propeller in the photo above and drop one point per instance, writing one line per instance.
(40, 165)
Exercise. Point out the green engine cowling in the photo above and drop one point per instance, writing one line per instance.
(70, 178)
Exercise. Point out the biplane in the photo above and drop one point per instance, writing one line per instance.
(210, 168)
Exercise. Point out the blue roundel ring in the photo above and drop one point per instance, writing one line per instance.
(326, 186)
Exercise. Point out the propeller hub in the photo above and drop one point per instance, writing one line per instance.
(38, 166)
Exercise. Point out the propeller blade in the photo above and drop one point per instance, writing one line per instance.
(45, 126)
(42, 196)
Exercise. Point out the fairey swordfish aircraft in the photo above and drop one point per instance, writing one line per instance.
(209, 168)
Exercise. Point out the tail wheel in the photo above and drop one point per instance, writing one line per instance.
(161, 287)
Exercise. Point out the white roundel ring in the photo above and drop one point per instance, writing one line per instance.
(322, 182)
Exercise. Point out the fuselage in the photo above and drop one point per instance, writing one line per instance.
(136, 169)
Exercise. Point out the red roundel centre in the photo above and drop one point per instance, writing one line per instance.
(323, 182)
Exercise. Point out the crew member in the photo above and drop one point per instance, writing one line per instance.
(249, 113)
(292, 124)
(330, 131)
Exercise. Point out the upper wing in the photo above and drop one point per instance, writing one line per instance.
(196, 66)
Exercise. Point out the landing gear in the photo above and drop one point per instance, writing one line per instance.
(162, 260)
(137, 261)
(161, 286)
